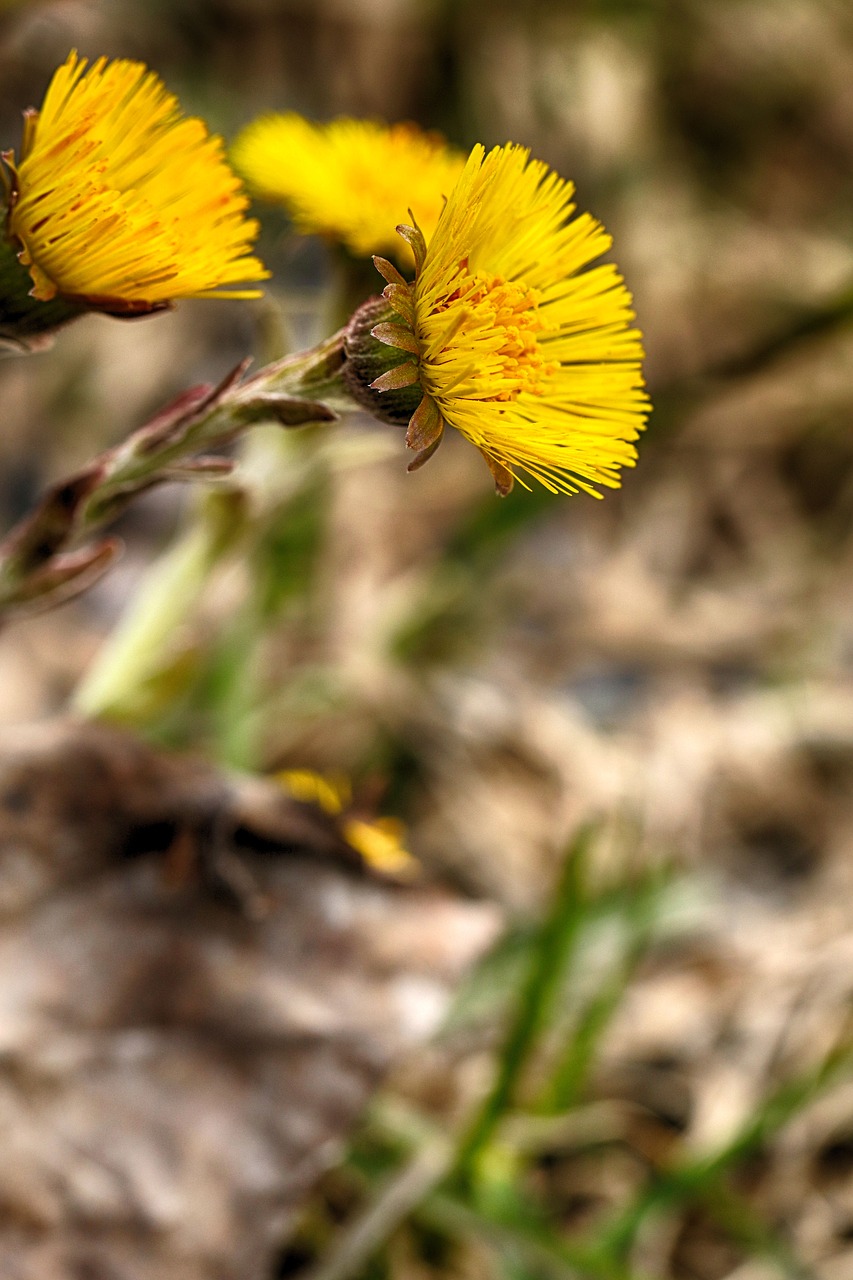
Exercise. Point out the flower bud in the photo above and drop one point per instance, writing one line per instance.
(24, 321)
(370, 361)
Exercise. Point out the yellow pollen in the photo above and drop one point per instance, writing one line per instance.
(500, 320)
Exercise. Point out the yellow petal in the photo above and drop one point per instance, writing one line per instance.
(120, 199)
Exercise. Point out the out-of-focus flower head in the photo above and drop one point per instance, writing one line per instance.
(351, 180)
(379, 841)
(508, 334)
(120, 202)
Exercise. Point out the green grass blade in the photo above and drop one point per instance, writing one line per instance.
(552, 954)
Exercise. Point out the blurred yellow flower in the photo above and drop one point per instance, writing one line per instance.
(329, 793)
(353, 180)
(512, 337)
(379, 841)
(121, 202)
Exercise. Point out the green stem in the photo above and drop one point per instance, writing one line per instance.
(556, 945)
(540, 1251)
(134, 651)
(565, 1088)
(690, 1180)
(288, 390)
(40, 558)
(274, 466)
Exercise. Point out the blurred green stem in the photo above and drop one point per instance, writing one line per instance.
(41, 561)
(692, 1179)
(544, 1253)
(134, 650)
(515, 1227)
(805, 323)
(392, 1204)
(551, 957)
(675, 400)
(565, 1088)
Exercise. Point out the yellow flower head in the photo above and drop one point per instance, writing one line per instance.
(353, 180)
(121, 202)
(516, 341)
(379, 841)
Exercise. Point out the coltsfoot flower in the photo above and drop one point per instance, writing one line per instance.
(379, 841)
(120, 202)
(351, 180)
(507, 334)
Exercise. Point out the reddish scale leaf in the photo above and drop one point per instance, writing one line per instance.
(388, 270)
(396, 335)
(400, 298)
(402, 375)
(503, 478)
(414, 238)
(425, 454)
(425, 425)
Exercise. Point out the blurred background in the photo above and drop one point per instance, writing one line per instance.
(673, 664)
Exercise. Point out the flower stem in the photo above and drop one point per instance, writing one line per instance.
(41, 562)
(133, 653)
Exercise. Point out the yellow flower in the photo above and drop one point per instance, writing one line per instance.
(353, 180)
(512, 337)
(331, 794)
(379, 841)
(121, 202)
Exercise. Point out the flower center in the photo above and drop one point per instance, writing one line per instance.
(492, 324)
